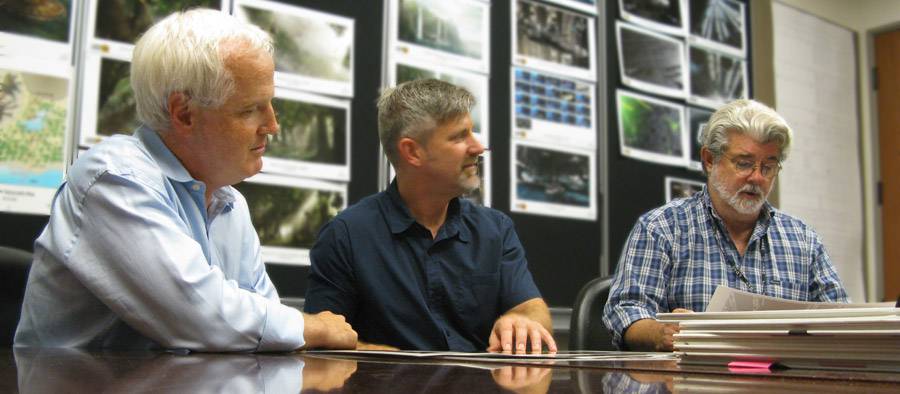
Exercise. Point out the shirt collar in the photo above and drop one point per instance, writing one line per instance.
(400, 219)
(172, 168)
(398, 216)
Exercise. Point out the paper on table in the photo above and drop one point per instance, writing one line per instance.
(562, 356)
(726, 299)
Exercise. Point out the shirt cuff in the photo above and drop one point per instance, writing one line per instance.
(283, 330)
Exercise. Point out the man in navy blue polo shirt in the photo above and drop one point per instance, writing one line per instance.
(417, 267)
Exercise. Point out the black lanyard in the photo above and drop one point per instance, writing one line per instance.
(730, 262)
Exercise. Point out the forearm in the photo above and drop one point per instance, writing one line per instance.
(649, 335)
(535, 309)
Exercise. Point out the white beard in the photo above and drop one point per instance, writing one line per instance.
(741, 204)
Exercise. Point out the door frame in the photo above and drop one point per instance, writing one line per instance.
(874, 245)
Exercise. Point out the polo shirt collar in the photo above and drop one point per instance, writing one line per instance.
(399, 218)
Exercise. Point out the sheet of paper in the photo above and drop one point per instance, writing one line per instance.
(487, 357)
(726, 299)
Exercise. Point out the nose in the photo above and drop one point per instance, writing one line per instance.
(756, 177)
(475, 148)
(271, 124)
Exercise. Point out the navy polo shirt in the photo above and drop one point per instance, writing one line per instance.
(397, 286)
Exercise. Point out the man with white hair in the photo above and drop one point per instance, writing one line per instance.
(727, 234)
(148, 246)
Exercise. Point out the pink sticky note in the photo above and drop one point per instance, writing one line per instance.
(750, 366)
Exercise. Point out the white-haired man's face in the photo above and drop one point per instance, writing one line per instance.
(743, 177)
(227, 143)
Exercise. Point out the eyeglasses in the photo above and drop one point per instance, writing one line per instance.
(744, 167)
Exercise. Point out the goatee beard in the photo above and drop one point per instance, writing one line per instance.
(743, 205)
(469, 183)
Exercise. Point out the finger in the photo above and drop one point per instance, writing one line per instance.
(521, 338)
(548, 340)
(494, 342)
(535, 341)
(506, 338)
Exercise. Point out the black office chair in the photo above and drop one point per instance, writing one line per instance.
(14, 266)
(587, 331)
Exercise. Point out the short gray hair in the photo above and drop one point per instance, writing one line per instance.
(413, 109)
(181, 54)
(748, 117)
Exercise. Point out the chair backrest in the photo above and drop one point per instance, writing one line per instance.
(587, 331)
(14, 266)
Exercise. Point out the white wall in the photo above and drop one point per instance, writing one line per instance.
(815, 90)
(863, 17)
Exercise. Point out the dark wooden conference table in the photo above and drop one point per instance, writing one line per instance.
(77, 371)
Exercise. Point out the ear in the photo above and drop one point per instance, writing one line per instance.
(410, 151)
(706, 158)
(180, 113)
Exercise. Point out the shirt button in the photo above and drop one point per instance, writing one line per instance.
(196, 187)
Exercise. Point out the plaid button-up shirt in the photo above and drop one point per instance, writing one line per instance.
(677, 254)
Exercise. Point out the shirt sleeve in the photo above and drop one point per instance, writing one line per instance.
(331, 285)
(136, 255)
(642, 278)
(518, 284)
(824, 283)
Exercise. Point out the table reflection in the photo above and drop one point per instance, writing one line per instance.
(73, 370)
(388, 376)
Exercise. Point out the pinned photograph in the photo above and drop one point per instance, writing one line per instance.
(681, 188)
(651, 129)
(553, 109)
(697, 119)
(442, 32)
(314, 137)
(117, 22)
(719, 24)
(554, 39)
(408, 70)
(651, 61)
(34, 100)
(313, 50)
(716, 78)
(482, 195)
(288, 213)
(36, 28)
(589, 6)
(107, 100)
(666, 16)
(553, 181)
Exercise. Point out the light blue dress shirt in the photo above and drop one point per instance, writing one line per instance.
(132, 258)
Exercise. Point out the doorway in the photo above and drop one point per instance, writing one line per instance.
(887, 63)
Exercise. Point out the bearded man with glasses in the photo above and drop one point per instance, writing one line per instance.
(727, 234)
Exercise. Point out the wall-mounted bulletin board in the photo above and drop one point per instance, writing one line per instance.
(590, 109)
(535, 65)
(669, 65)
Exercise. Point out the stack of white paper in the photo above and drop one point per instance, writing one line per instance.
(763, 331)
